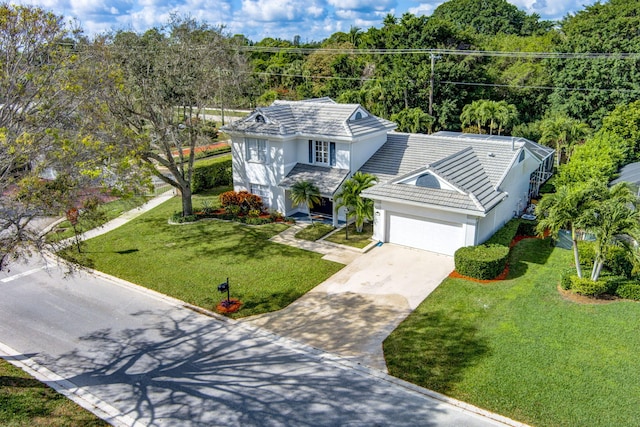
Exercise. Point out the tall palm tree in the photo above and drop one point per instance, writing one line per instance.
(305, 193)
(564, 210)
(562, 131)
(473, 113)
(613, 216)
(356, 206)
(506, 114)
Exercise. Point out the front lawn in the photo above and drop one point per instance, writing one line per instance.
(25, 401)
(189, 261)
(518, 348)
(358, 240)
(314, 232)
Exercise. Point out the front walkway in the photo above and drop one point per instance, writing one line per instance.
(353, 311)
(332, 252)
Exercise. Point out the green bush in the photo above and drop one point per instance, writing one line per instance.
(483, 262)
(613, 282)
(565, 278)
(629, 291)
(619, 262)
(211, 173)
(505, 235)
(177, 218)
(526, 228)
(587, 252)
(588, 287)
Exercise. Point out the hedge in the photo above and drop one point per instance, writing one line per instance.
(211, 173)
(484, 262)
(629, 291)
(588, 287)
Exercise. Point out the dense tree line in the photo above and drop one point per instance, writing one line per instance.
(350, 68)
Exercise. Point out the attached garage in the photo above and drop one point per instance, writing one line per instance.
(427, 234)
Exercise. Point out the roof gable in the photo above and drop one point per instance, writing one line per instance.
(318, 117)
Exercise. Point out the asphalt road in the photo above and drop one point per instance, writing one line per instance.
(161, 364)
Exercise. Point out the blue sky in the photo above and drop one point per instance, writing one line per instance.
(313, 20)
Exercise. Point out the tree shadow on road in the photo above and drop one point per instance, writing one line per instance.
(188, 369)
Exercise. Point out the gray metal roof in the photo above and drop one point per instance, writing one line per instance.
(475, 164)
(630, 173)
(328, 180)
(317, 117)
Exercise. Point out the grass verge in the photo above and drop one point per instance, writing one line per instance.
(357, 240)
(314, 232)
(518, 348)
(189, 261)
(25, 401)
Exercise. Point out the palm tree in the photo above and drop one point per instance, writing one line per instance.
(564, 210)
(356, 206)
(472, 113)
(489, 112)
(305, 193)
(562, 131)
(506, 114)
(613, 215)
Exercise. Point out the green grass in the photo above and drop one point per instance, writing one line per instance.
(25, 401)
(357, 240)
(314, 232)
(189, 261)
(110, 211)
(518, 348)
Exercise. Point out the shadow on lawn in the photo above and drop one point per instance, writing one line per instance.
(526, 252)
(179, 368)
(435, 349)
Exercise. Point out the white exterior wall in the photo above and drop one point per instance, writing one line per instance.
(516, 185)
(363, 149)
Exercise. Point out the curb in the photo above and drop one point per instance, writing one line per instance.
(68, 389)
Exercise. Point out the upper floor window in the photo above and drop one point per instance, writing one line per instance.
(322, 152)
(256, 150)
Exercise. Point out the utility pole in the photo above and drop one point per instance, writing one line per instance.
(431, 80)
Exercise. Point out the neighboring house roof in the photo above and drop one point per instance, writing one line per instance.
(328, 180)
(317, 117)
(472, 164)
(630, 173)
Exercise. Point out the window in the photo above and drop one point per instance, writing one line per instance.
(256, 150)
(321, 152)
(521, 157)
(262, 191)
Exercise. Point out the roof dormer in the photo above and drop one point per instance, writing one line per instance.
(427, 179)
(359, 114)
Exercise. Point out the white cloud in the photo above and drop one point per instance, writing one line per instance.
(422, 9)
(362, 5)
(273, 10)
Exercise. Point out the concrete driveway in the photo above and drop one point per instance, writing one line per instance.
(353, 311)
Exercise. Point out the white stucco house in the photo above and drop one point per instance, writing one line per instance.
(435, 192)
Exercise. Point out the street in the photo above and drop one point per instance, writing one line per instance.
(161, 364)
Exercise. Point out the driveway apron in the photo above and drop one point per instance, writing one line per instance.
(352, 312)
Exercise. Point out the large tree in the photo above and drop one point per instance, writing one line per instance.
(53, 143)
(168, 77)
(562, 132)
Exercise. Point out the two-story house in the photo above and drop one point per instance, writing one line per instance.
(435, 192)
(289, 141)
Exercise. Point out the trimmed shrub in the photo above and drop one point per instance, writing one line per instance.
(505, 235)
(619, 262)
(629, 291)
(483, 262)
(588, 287)
(211, 173)
(565, 278)
(526, 228)
(243, 199)
(587, 252)
(613, 282)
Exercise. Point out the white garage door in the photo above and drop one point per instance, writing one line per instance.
(430, 235)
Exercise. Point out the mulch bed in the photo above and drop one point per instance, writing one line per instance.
(202, 148)
(229, 306)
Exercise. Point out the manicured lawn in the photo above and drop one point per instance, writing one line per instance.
(189, 261)
(518, 348)
(25, 401)
(358, 240)
(314, 232)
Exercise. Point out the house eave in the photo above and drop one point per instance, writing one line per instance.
(428, 205)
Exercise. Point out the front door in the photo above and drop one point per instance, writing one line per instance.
(325, 207)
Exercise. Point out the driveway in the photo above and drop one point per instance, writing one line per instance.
(353, 311)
